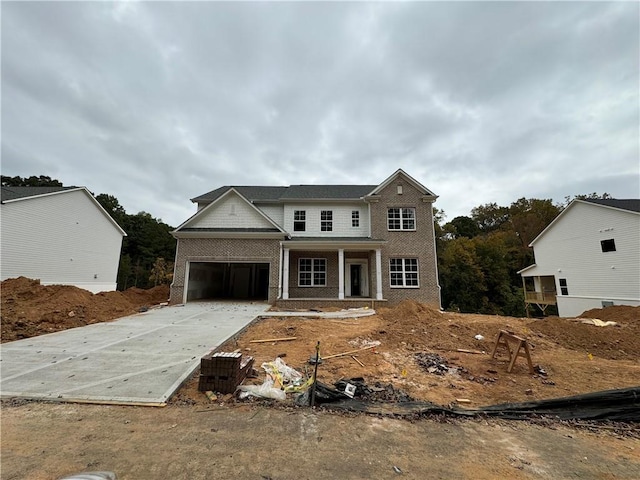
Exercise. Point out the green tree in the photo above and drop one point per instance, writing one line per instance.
(147, 239)
(161, 272)
(528, 217)
(490, 217)
(461, 277)
(465, 227)
(113, 208)
(33, 181)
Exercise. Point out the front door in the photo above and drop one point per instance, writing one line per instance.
(356, 280)
(356, 277)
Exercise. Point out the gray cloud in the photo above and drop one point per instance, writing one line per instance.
(157, 102)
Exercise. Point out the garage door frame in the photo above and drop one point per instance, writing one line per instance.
(253, 261)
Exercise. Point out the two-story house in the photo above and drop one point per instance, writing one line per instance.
(60, 236)
(588, 257)
(310, 245)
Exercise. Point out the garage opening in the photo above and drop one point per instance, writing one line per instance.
(217, 281)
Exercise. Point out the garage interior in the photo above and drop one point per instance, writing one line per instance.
(223, 280)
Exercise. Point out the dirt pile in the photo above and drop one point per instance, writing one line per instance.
(436, 356)
(29, 309)
(445, 357)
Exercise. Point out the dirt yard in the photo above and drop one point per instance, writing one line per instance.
(43, 441)
(416, 350)
(29, 309)
(416, 347)
(573, 357)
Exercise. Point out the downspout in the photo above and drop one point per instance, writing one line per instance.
(435, 257)
(280, 267)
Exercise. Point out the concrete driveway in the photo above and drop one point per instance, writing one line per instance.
(141, 360)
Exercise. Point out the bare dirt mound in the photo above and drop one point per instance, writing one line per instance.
(30, 309)
(615, 313)
(572, 357)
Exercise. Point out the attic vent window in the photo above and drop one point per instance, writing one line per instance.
(399, 189)
(608, 245)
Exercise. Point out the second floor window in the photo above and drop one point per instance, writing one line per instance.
(355, 218)
(608, 245)
(401, 218)
(326, 220)
(299, 220)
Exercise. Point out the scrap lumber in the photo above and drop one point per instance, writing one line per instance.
(361, 364)
(267, 340)
(349, 353)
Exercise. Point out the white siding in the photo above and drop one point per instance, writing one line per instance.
(60, 239)
(571, 249)
(274, 212)
(231, 212)
(574, 306)
(341, 220)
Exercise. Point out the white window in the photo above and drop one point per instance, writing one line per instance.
(355, 218)
(312, 272)
(403, 272)
(326, 220)
(401, 218)
(299, 220)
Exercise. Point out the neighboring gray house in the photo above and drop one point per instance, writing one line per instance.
(59, 235)
(588, 257)
(304, 245)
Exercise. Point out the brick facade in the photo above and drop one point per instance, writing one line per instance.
(225, 250)
(407, 244)
(415, 244)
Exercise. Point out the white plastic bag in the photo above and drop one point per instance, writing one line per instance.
(265, 390)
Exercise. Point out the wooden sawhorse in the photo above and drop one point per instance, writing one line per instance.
(521, 350)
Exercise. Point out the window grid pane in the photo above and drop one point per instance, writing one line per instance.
(393, 216)
(404, 272)
(326, 220)
(408, 219)
(355, 218)
(312, 272)
(401, 218)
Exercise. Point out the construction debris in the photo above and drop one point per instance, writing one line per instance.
(432, 363)
(268, 340)
(223, 371)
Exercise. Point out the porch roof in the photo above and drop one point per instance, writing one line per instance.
(535, 271)
(332, 243)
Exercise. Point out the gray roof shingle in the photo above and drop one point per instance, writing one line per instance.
(251, 193)
(631, 204)
(13, 193)
(293, 192)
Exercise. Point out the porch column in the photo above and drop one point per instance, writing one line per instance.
(285, 275)
(378, 274)
(341, 274)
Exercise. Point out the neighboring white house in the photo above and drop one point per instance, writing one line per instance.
(588, 257)
(59, 235)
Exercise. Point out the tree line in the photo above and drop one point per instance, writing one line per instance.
(479, 255)
(148, 250)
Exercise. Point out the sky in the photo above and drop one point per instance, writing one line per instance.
(482, 102)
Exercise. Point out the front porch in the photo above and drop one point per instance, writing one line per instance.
(320, 303)
(344, 273)
(539, 290)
